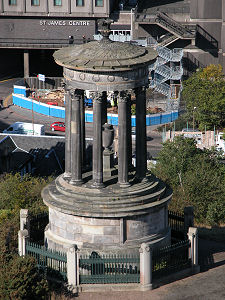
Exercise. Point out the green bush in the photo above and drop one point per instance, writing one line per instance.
(21, 280)
(216, 213)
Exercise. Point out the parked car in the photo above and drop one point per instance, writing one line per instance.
(58, 126)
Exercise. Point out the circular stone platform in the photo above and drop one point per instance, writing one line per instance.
(108, 219)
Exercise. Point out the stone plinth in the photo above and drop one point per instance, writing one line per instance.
(109, 219)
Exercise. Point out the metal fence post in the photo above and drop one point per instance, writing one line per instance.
(22, 238)
(25, 220)
(193, 238)
(188, 217)
(145, 267)
(72, 266)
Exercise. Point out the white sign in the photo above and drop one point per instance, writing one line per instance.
(41, 77)
(64, 23)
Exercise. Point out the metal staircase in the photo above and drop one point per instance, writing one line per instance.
(173, 27)
(163, 71)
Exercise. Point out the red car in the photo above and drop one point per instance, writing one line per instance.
(58, 126)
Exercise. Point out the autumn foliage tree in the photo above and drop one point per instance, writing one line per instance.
(204, 96)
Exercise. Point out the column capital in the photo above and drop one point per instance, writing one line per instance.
(123, 97)
(97, 97)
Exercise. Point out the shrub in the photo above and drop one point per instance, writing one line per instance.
(20, 279)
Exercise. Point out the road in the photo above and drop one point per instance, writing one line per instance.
(11, 114)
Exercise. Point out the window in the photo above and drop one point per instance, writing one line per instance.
(12, 2)
(98, 2)
(57, 2)
(35, 2)
(80, 2)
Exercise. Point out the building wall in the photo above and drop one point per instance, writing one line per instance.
(43, 30)
(47, 7)
(206, 9)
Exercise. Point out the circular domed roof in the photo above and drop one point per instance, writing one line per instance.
(104, 55)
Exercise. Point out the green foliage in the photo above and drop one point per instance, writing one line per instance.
(216, 213)
(174, 159)
(20, 279)
(133, 109)
(196, 176)
(17, 192)
(204, 95)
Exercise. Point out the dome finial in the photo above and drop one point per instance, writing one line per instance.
(104, 27)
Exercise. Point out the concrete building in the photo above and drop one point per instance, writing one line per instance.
(197, 26)
(37, 27)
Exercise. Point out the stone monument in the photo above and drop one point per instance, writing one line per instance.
(106, 209)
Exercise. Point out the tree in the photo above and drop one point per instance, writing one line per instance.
(197, 178)
(204, 95)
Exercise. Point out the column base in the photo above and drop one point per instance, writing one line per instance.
(124, 184)
(76, 182)
(66, 175)
(98, 185)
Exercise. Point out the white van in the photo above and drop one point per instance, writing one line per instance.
(25, 128)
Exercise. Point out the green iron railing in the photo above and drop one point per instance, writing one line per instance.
(53, 263)
(171, 259)
(109, 269)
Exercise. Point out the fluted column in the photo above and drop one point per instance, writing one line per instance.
(122, 141)
(141, 151)
(67, 133)
(97, 141)
(76, 156)
(82, 120)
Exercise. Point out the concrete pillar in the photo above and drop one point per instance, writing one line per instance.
(26, 63)
(72, 265)
(82, 120)
(193, 238)
(76, 163)
(97, 142)
(22, 238)
(68, 111)
(141, 146)
(122, 141)
(24, 220)
(145, 267)
(188, 217)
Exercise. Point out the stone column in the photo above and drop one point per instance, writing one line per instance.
(129, 138)
(72, 266)
(141, 147)
(122, 141)
(76, 162)
(24, 220)
(22, 238)
(104, 107)
(82, 119)
(68, 112)
(97, 141)
(145, 267)
(193, 238)
(26, 63)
